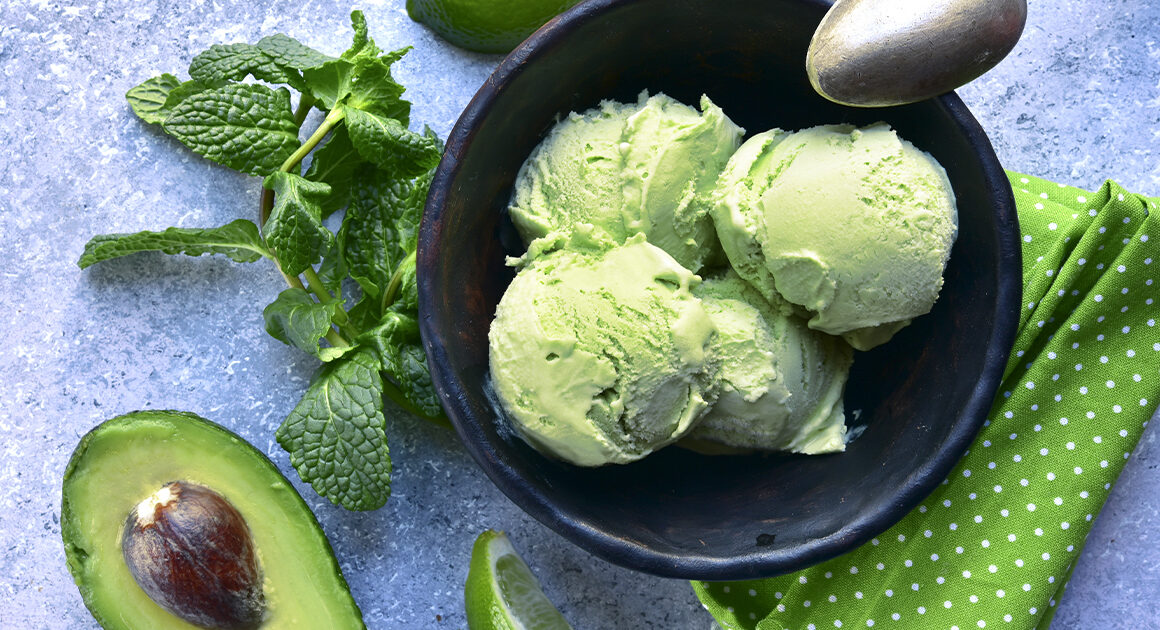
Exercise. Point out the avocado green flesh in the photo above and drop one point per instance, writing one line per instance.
(129, 457)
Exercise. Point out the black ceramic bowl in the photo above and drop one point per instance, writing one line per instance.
(922, 397)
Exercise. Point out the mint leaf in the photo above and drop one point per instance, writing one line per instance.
(290, 53)
(366, 313)
(233, 62)
(336, 434)
(154, 99)
(391, 57)
(249, 128)
(375, 90)
(379, 221)
(238, 240)
(332, 271)
(330, 82)
(335, 164)
(410, 213)
(295, 319)
(184, 91)
(362, 45)
(294, 230)
(399, 350)
(364, 83)
(274, 59)
(147, 100)
(390, 145)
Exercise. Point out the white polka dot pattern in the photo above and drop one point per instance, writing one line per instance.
(994, 545)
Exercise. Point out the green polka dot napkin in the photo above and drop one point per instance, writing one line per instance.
(995, 543)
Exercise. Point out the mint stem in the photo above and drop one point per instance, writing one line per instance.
(319, 290)
(396, 281)
(265, 205)
(333, 117)
(305, 104)
(291, 281)
(336, 339)
(315, 284)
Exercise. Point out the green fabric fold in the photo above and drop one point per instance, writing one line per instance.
(994, 545)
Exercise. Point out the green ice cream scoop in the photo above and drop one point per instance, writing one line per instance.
(782, 383)
(603, 356)
(853, 225)
(624, 168)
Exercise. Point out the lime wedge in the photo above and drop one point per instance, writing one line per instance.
(501, 592)
(489, 26)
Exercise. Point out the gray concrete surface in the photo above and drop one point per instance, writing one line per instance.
(1078, 101)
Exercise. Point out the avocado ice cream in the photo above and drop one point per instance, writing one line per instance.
(602, 356)
(623, 168)
(607, 346)
(781, 382)
(853, 225)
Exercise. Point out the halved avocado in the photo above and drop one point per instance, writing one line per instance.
(127, 458)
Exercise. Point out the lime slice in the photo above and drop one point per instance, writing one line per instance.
(502, 593)
(490, 26)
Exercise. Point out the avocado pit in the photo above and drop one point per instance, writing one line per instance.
(192, 553)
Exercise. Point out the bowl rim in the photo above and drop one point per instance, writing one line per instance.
(761, 562)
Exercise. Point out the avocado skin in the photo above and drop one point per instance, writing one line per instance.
(108, 475)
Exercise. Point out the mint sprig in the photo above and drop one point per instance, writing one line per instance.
(237, 109)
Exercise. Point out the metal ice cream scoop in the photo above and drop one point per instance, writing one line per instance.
(877, 53)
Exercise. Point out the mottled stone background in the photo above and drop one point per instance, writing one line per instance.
(1078, 102)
